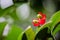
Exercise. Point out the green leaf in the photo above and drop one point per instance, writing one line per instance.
(56, 29)
(55, 19)
(2, 26)
(54, 26)
(44, 26)
(1, 12)
(30, 33)
(10, 11)
(44, 32)
(6, 11)
(14, 33)
(22, 36)
(13, 14)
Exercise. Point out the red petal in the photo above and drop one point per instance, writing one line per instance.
(40, 13)
(36, 24)
(44, 16)
(41, 21)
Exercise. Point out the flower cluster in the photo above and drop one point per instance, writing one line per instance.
(41, 18)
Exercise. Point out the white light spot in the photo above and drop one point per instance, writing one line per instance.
(2, 19)
(6, 30)
(6, 3)
(28, 28)
(23, 11)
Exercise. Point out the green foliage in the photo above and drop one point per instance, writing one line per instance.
(28, 33)
(55, 25)
(5, 11)
(13, 13)
(55, 19)
(13, 33)
(22, 36)
(2, 26)
(44, 32)
(56, 29)
(10, 11)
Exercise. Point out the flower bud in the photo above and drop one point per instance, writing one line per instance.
(39, 16)
(35, 21)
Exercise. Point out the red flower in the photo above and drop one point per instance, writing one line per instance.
(43, 16)
(36, 22)
(40, 20)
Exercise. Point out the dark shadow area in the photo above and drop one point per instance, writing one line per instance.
(43, 35)
(56, 26)
(24, 37)
(36, 4)
(57, 36)
(19, 1)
